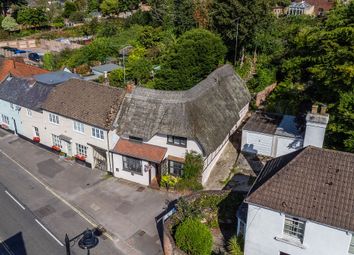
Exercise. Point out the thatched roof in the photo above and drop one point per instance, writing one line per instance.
(205, 113)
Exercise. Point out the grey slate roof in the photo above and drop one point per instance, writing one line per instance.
(105, 68)
(23, 92)
(55, 77)
(311, 183)
(205, 113)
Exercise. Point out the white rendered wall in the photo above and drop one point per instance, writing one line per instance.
(66, 127)
(287, 145)
(258, 143)
(264, 226)
(28, 122)
(314, 134)
(141, 179)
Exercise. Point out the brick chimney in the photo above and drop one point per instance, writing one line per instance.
(316, 123)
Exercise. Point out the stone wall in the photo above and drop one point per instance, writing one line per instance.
(20, 44)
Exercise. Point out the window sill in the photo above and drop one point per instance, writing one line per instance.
(57, 124)
(132, 172)
(100, 139)
(178, 145)
(290, 241)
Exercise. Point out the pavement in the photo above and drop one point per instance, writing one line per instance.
(21, 232)
(127, 211)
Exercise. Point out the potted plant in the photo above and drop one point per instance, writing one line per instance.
(80, 157)
(36, 139)
(62, 155)
(56, 148)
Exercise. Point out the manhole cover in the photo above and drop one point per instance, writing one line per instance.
(45, 211)
(140, 189)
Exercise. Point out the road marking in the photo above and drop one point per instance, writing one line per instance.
(14, 199)
(58, 196)
(50, 233)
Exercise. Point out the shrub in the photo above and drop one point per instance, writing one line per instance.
(235, 245)
(194, 238)
(193, 165)
(189, 184)
(169, 181)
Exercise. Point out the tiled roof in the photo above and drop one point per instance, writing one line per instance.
(18, 69)
(311, 183)
(139, 150)
(321, 4)
(85, 101)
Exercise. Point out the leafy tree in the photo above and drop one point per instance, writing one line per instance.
(48, 61)
(93, 5)
(9, 24)
(128, 5)
(116, 78)
(6, 4)
(69, 9)
(32, 16)
(138, 66)
(109, 7)
(58, 22)
(196, 54)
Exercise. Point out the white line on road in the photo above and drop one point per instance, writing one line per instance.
(50, 233)
(14, 199)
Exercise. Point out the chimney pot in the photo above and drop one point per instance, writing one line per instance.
(323, 109)
(314, 109)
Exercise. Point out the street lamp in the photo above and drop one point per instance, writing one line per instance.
(88, 241)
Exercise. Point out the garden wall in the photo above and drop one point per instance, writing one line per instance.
(262, 95)
(169, 245)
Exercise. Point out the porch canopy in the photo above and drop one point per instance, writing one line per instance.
(148, 152)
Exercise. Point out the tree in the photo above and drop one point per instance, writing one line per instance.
(116, 78)
(69, 9)
(93, 5)
(110, 7)
(32, 17)
(9, 24)
(6, 4)
(195, 55)
(48, 61)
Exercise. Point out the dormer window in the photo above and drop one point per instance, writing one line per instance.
(177, 140)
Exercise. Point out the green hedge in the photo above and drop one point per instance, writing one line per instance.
(194, 238)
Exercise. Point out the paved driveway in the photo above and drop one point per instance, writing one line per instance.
(126, 210)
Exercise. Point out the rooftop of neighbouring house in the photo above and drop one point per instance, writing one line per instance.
(24, 92)
(274, 124)
(57, 77)
(321, 5)
(151, 153)
(312, 183)
(300, 5)
(105, 68)
(16, 67)
(205, 113)
(86, 101)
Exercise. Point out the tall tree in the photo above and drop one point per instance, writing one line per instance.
(32, 17)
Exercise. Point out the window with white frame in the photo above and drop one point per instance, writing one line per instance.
(98, 133)
(351, 245)
(79, 127)
(53, 118)
(29, 112)
(56, 141)
(294, 228)
(133, 165)
(81, 149)
(5, 119)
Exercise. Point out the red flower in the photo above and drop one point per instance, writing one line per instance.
(56, 148)
(80, 157)
(36, 139)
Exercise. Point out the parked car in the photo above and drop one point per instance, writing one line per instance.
(34, 57)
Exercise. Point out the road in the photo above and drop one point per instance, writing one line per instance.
(21, 233)
(53, 213)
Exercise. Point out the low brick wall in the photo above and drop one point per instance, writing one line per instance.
(262, 96)
(169, 245)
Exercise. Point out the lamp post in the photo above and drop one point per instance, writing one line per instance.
(88, 241)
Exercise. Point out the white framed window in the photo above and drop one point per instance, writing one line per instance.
(81, 149)
(79, 127)
(5, 119)
(97, 133)
(56, 141)
(351, 245)
(36, 131)
(175, 168)
(132, 165)
(53, 118)
(29, 112)
(177, 140)
(294, 228)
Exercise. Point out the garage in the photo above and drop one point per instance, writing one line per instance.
(258, 143)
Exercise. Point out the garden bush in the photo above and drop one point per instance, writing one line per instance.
(235, 245)
(194, 238)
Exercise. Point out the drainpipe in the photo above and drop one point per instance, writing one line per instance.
(109, 155)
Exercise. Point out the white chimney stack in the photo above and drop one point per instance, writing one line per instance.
(316, 123)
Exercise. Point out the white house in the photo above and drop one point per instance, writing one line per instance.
(156, 128)
(275, 135)
(78, 117)
(302, 204)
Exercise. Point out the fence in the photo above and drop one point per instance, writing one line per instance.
(262, 96)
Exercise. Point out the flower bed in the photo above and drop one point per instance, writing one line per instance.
(36, 139)
(56, 148)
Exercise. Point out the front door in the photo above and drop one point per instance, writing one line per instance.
(69, 149)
